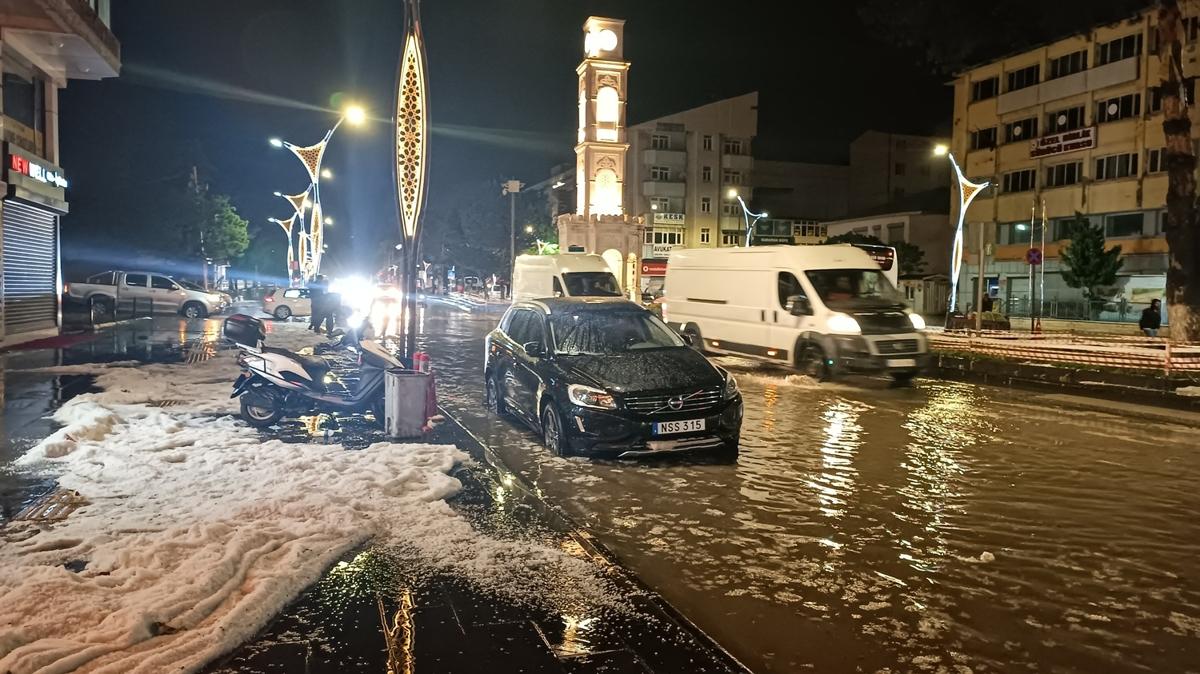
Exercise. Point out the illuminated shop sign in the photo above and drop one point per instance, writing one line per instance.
(36, 171)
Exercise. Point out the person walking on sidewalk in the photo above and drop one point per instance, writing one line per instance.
(318, 293)
(1151, 319)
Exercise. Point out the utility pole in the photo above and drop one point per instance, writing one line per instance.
(512, 188)
(979, 290)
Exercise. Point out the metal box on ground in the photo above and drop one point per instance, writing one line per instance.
(405, 396)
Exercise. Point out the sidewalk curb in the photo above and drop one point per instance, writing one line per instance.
(590, 543)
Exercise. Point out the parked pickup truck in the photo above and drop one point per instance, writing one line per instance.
(144, 291)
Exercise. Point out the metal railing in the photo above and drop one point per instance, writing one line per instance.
(1070, 348)
(1077, 309)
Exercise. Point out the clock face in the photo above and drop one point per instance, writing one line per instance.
(599, 40)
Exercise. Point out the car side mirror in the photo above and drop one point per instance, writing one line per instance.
(688, 338)
(533, 349)
(800, 305)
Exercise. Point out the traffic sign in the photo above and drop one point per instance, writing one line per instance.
(1034, 256)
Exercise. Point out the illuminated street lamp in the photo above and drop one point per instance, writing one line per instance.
(529, 229)
(746, 213)
(275, 142)
(967, 191)
(327, 174)
(328, 220)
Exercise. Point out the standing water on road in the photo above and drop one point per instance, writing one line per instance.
(945, 527)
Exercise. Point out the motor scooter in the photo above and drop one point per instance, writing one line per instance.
(277, 383)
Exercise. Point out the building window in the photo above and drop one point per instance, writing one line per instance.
(707, 143)
(1061, 175)
(985, 89)
(1021, 131)
(730, 239)
(706, 174)
(1020, 181)
(1119, 107)
(705, 235)
(811, 229)
(1154, 96)
(660, 142)
(1123, 224)
(895, 232)
(1065, 120)
(732, 177)
(1119, 49)
(648, 237)
(1014, 232)
(1025, 77)
(1116, 166)
(1068, 64)
(731, 146)
(608, 106)
(24, 96)
(660, 173)
(660, 204)
(983, 139)
(730, 208)
(900, 168)
(706, 205)
(669, 237)
(1156, 160)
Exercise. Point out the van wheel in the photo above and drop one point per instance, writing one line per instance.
(193, 310)
(283, 313)
(903, 378)
(813, 362)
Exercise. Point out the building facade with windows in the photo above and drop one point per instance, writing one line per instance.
(889, 167)
(1076, 126)
(43, 45)
(681, 168)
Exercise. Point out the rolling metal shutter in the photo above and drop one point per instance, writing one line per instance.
(30, 268)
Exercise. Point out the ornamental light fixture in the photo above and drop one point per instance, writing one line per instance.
(412, 148)
(967, 191)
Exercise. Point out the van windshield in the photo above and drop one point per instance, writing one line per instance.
(854, 288)
(602, 333)
(591, 284)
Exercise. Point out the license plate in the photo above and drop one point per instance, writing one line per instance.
(902, 362)
(673, 427)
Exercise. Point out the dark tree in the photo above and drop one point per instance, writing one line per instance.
(1087, 265)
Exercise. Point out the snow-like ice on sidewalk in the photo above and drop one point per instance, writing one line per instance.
(198, 531)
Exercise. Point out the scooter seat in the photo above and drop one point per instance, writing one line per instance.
(315, 367)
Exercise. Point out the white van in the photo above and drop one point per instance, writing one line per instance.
(563, 275)
(823, 309)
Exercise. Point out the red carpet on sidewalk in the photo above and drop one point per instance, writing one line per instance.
(56, 342)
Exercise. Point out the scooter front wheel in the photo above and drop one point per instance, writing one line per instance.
(260, 411)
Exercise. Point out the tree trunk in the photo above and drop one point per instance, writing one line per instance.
(1183, 289)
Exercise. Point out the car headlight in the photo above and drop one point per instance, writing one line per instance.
(841, 324)
(731, 387)
(917, 321)
(586, 396)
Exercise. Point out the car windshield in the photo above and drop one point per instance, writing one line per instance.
(591, 284)
(609, 332)
(853, 288)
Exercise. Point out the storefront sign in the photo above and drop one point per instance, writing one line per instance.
(663, 249)
(1067, 141)
(651, 267)
(37, 171)
(668, 218)
(770, 240)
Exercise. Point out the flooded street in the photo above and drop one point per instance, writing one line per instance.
(946, 527)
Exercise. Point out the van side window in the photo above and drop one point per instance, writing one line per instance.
(558, 292)
(136, 280)
(789, 289)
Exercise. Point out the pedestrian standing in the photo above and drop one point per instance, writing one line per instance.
(1151, 319)
(319, 300)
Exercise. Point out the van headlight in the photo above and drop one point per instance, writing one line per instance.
(842, 324)
(586, 396)
(917, 321)
(731, 387)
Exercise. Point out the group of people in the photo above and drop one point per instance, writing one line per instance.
(325, 305)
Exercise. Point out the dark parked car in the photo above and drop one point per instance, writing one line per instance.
(603, 376)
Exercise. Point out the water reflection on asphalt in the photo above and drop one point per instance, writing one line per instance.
(865, 528)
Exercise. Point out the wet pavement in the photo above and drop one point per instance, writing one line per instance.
(944, 527)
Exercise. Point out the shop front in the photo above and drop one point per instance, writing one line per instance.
(33, 201)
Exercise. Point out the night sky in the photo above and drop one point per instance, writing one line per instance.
(209, 82)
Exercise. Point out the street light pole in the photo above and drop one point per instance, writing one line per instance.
(746, 213)
(512, 188)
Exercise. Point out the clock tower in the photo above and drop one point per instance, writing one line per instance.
(599, 224)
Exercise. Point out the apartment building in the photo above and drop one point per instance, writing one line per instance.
(886, 168)
(1075, 125)
(43, 45)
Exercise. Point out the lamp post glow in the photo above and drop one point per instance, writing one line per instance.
(967, 191)
(412, 147)
(746, 213)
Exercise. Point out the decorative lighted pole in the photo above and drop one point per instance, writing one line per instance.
(967, 191)
(311, 239)
(746, 213)
(412, 147)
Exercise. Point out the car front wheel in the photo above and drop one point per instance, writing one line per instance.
(283, 313)
(494, 398)
(553, 431)
(813, 361)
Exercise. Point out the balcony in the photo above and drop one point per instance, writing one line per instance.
(737, 162)
(670, 158)
(1100, 77)
(68, 39)
(663, 188)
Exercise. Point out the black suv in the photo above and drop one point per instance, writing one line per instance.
(603, 376)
